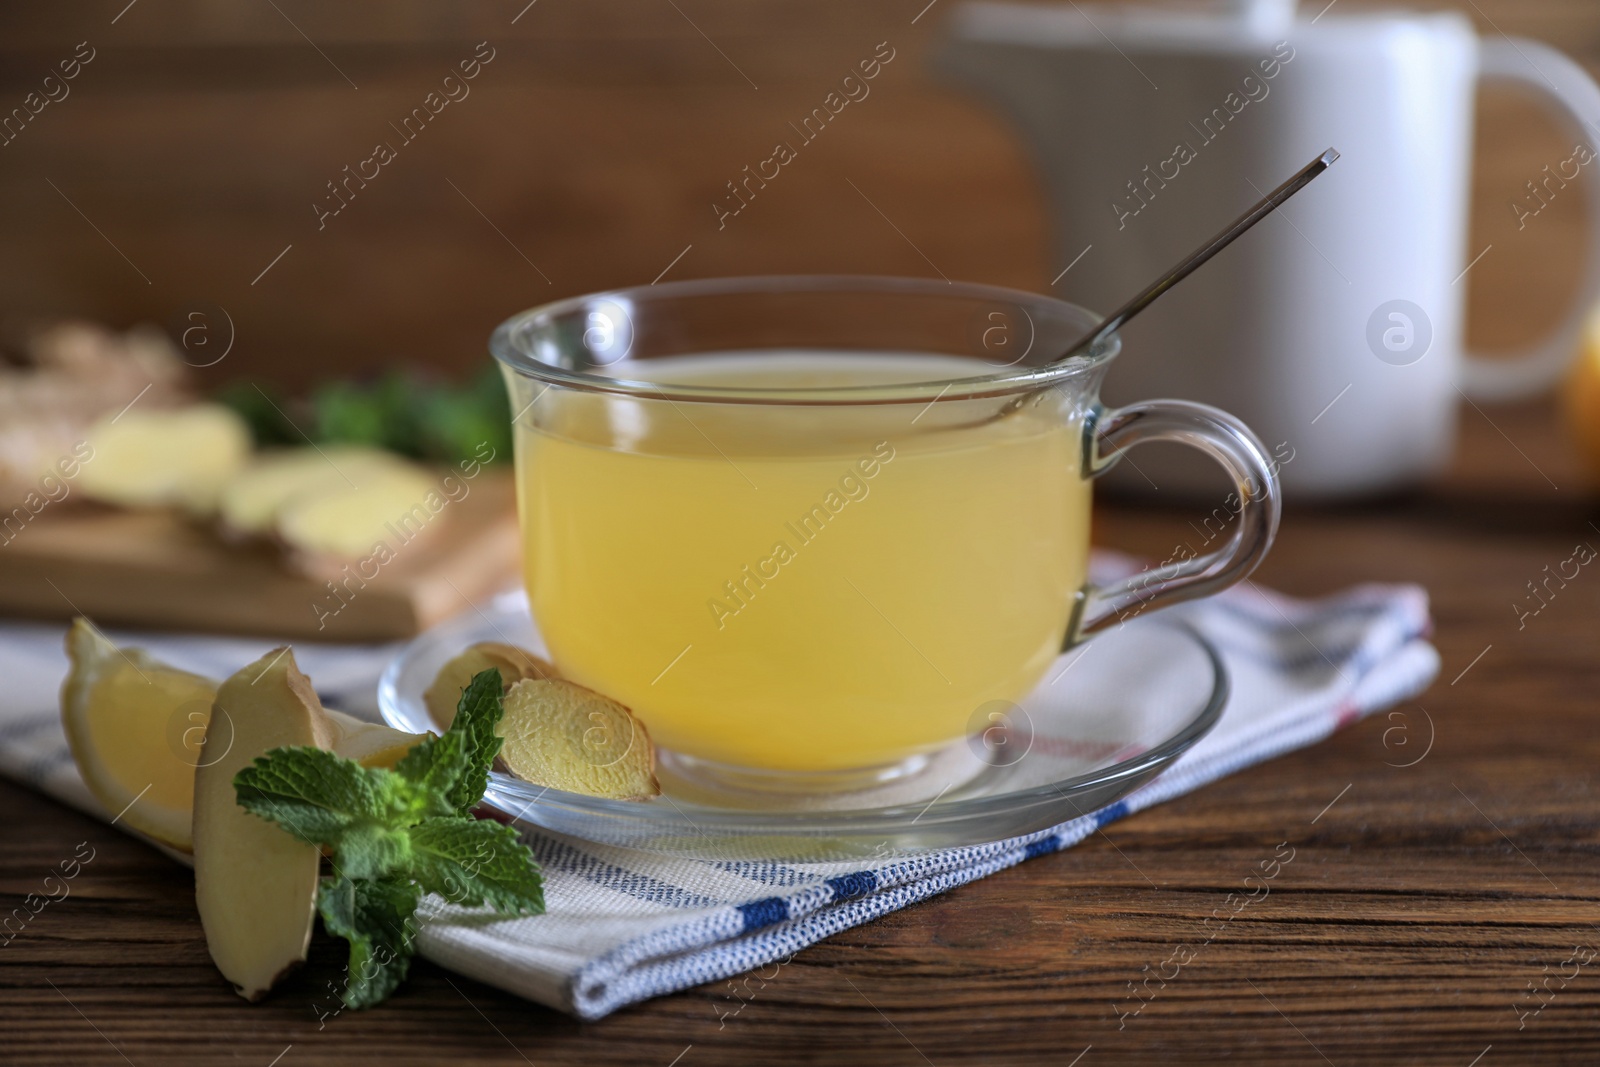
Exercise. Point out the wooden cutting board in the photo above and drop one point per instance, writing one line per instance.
(161, 571)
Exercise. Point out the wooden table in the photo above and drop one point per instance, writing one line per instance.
(1422, 904)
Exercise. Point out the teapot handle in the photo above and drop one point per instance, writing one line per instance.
(1576, 98)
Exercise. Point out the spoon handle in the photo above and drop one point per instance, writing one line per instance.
(1261, 210)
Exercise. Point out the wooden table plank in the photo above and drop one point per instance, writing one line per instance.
(1420, 903)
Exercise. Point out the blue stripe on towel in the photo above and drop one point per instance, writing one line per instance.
(20, 728)
(763, 912)
(47, 764)
(766, 872)
(560, 856)
(1110, 813)
(854, 884)
(1042, 847)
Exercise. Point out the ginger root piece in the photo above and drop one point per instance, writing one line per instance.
(74, 374)
(561, 735)
(513, 663)
(256, 886)
(135, 727)
(119, 366)
(181, 457)
(250, 502)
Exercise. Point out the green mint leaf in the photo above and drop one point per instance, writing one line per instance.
(472, 862)
(375, 918)
(314, 794)
(477, 714)
(360, 813)
(394, 834)
(434, 767)
(264, 410)
(371, 850)
(385, 413)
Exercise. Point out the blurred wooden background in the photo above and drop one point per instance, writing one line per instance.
(190, 151)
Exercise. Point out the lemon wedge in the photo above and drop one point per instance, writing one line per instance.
(564, 736)
(136, 727)
(513, 663)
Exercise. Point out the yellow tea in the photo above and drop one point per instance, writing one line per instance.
(802, 589)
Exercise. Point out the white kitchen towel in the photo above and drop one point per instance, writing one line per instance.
(623, 926)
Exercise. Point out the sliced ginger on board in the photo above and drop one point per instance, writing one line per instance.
(251, 500)
(179, 457)
(388, 508)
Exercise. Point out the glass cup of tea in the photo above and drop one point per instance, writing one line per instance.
(809, 528)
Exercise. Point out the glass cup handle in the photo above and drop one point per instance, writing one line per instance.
(1256, 500)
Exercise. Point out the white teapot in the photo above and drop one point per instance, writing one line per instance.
(1335, 329)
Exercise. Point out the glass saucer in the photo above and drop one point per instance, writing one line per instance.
(1108, 716)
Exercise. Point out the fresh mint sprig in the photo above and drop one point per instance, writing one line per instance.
(393, 835)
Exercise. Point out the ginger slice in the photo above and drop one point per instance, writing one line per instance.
(513, 663)
(181, 457)
(250, 502)
(384, 511)
(561, 735)
(254, 884)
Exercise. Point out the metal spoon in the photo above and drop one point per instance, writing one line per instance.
(1118, 318)
(1266, 206)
